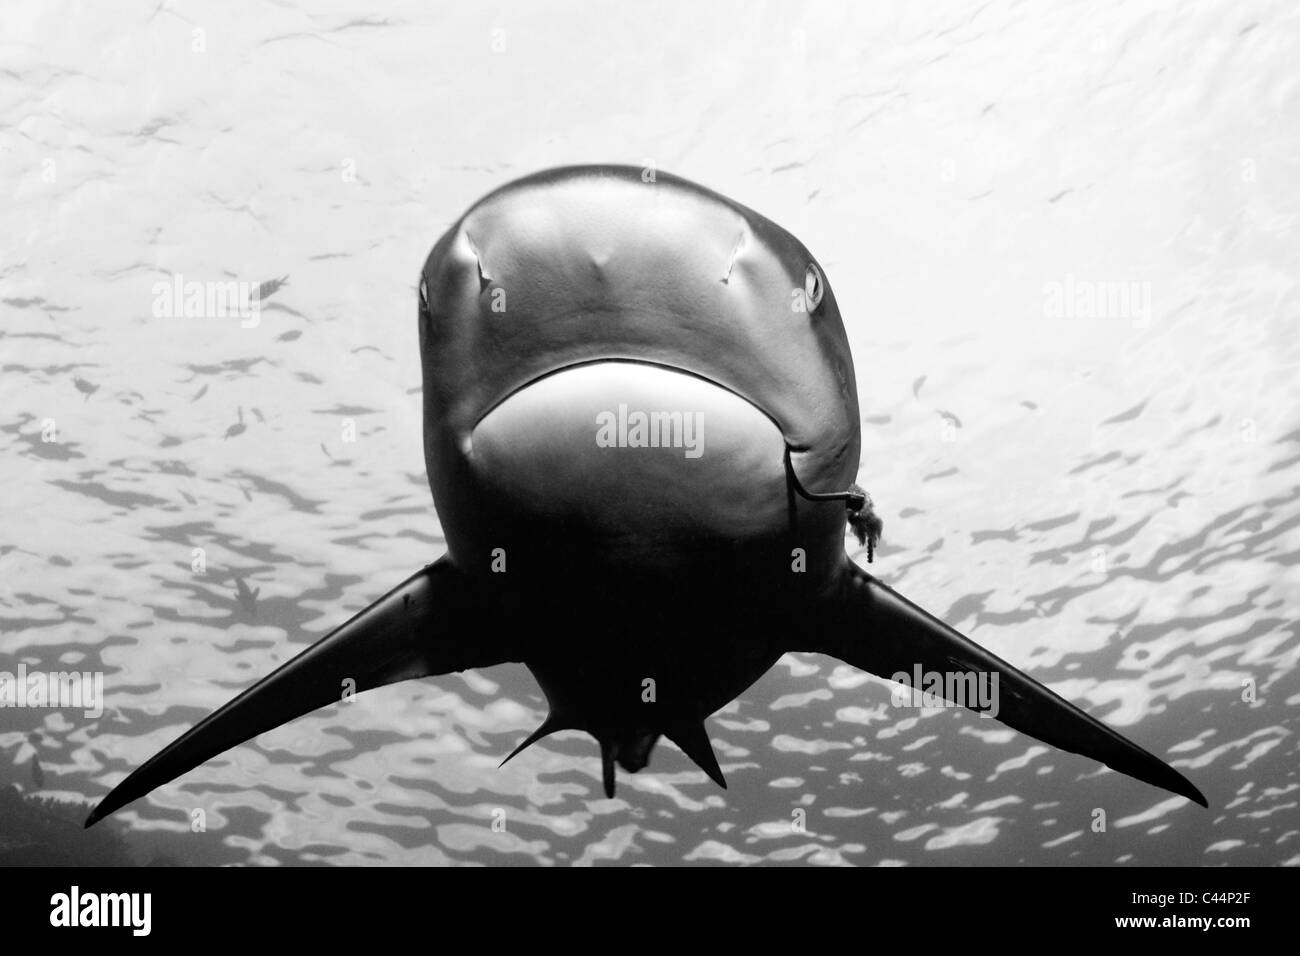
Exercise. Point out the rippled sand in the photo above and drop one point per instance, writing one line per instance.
(1109, 502)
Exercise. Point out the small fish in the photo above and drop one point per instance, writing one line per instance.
(260, 417)
(200, 393)
(271, 286)
(326, 451)
(84, 387)
(238, 429)
(916, 387)
(247, 599)
(289, 336)
(951, 417)
(38, 772)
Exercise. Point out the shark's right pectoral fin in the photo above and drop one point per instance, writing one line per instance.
(876, 629)
(430, 624)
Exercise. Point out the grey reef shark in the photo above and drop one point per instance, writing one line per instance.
(641, 431)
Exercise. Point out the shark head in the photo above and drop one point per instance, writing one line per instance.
(627, 366)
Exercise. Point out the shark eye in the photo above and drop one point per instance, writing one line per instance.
(813, 286)
(424, 295)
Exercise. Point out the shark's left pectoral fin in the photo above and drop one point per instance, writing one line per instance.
(874, 628)
(430, 624)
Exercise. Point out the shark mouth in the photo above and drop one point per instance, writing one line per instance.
(556, 409)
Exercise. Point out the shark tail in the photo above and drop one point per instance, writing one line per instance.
(607, 753)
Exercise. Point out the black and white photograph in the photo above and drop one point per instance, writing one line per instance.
(683, 434)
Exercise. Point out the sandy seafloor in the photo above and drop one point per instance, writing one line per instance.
(1107, 501)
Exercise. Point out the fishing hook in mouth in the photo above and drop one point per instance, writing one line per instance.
(862, 517)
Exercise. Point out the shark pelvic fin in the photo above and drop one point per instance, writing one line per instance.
(693, 740)
(550, 725)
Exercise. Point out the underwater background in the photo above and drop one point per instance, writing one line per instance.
(1064, 241)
